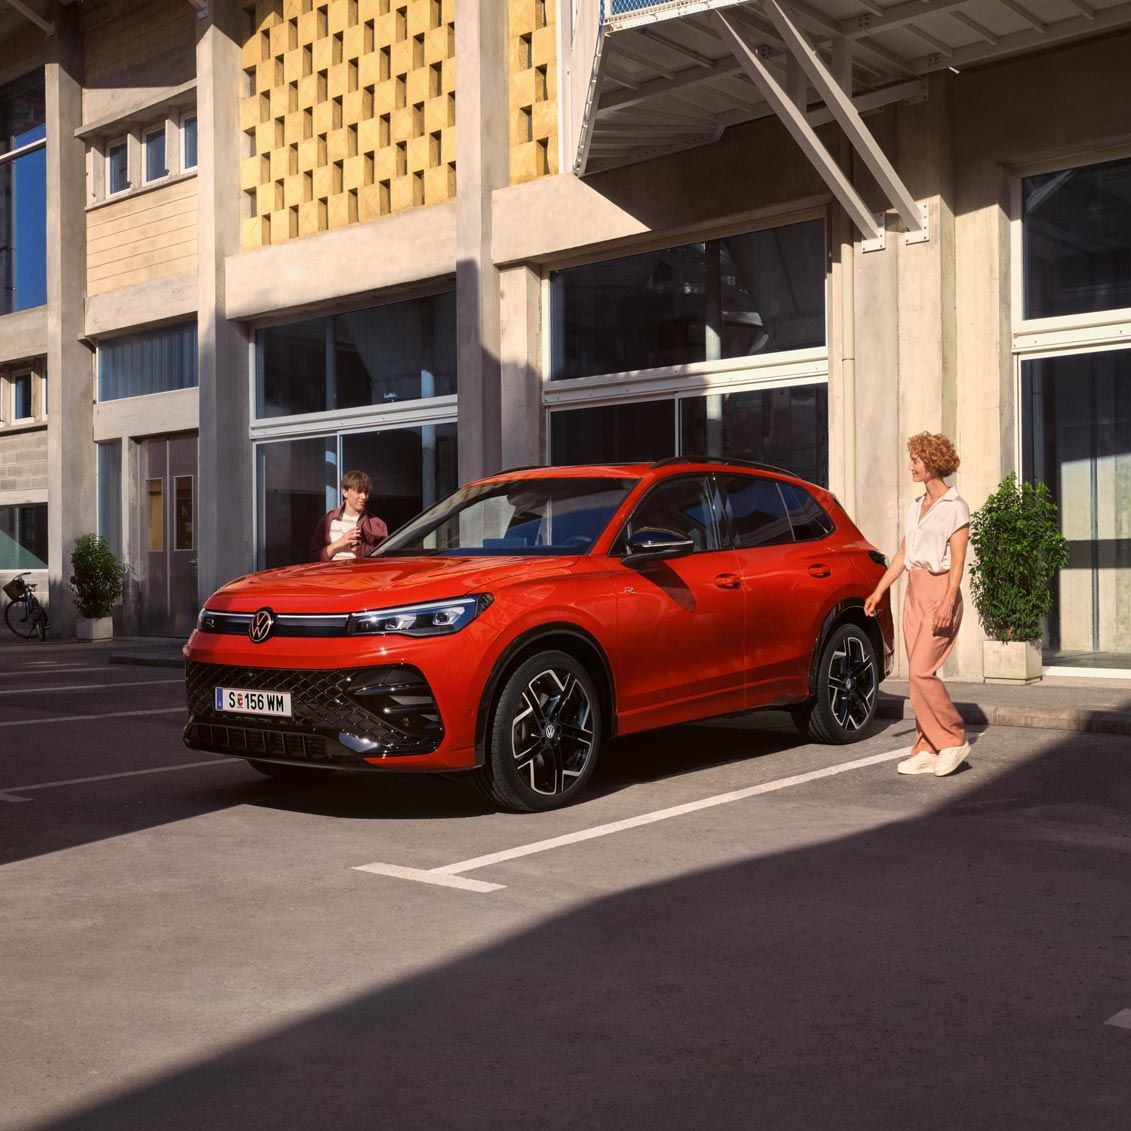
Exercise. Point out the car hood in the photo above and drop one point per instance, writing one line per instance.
(346, 586)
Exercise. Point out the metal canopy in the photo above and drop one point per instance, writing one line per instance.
(667, 75)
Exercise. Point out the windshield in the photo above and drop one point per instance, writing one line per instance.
(518, 516)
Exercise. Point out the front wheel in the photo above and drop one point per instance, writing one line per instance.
(21, 619)
(848, 684)
(544, 735)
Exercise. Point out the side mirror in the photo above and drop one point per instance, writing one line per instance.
(654, 544)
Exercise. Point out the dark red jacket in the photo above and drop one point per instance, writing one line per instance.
(371, 529)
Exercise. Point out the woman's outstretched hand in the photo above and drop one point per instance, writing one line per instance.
(870, 603)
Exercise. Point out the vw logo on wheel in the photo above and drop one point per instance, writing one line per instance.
(262, 625)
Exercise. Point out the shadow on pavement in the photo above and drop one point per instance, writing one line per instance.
(950, 971)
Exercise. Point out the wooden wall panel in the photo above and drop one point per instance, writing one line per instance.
(142, 237)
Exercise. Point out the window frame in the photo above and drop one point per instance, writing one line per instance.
(182, 123)
(148, 133)
(113, 143)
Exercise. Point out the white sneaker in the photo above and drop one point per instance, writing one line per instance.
(950, 758)
(921, 763)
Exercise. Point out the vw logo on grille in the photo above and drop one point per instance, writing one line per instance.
(261, 625)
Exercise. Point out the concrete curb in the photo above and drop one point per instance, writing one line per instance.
(1039, 718)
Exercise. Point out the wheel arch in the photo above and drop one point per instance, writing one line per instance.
(563, 637)
(850, 610)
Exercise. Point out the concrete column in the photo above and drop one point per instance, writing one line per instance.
(70, 394)
(482, 107)
(522, 440)
(227, 537)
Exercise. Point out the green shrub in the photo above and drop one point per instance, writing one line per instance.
(1019, 549)
(98, 576)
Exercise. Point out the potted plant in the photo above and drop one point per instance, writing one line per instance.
(1018, 550)
(96, 584)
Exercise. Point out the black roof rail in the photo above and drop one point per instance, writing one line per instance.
(548, 466)
(670, 460)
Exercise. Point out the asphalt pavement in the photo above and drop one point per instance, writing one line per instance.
(735, 929)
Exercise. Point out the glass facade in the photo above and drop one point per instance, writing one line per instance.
(23, 537)
(299, 481)
(155, 361)
(376, 356)
(785, 427)
(1077, 440)
(110, 493)
(1076, 238)
(23, 195)
(744, 295)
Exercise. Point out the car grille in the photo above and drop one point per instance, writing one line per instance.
(252, 743)
(390, 707)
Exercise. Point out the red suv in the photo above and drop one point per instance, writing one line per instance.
(512, 628)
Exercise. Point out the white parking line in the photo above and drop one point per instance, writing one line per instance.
(86, 686)
(10, 793)
(452, 871)
(83, 718)
(48, 670)
(1122, 1019)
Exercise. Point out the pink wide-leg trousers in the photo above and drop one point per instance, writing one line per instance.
(937, 721)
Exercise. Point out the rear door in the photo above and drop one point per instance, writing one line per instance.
(679, 648)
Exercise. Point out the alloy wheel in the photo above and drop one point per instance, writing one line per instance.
(852, 683)
(552, 734)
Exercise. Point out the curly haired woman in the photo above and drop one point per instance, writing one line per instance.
(933, 552)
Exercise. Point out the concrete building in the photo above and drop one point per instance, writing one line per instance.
(250, 245)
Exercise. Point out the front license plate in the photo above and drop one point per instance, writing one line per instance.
(245, 702)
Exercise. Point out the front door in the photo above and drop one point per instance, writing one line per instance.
(168, 526)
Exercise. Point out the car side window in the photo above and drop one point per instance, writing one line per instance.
(807, 516)
(683, 505)
(758, 515)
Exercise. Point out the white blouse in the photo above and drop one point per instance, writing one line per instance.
(927, 540)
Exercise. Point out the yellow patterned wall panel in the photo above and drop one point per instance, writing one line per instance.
(349, 111)
(533, 67)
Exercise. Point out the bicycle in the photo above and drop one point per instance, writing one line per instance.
(24, 614)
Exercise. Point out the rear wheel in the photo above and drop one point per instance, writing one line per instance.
(21, 619)
(544, 735)
(299, 775)
(848, 684)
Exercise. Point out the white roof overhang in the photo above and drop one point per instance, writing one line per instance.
(654, 76)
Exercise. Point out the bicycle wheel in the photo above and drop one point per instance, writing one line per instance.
(21, 619)
(41, 623)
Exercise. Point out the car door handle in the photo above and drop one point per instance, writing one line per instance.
(728, 581)
(819, 569)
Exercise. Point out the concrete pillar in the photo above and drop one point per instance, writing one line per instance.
(70, 395)
(522, 440)
(481, 166)
(227, 542)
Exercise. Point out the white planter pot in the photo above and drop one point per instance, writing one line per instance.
(96, 628)
(1017, 661)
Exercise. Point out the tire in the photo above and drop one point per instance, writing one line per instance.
(25, 625)
(848, 683)
(298, 775)
(543, 736)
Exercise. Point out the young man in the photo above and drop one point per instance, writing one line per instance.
(347, 531)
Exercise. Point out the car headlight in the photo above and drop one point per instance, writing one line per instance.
(432, 618)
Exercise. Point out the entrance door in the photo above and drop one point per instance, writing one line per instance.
(168, 526)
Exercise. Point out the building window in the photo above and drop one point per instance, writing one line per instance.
(749, 294)
(1076, 240)
(21, 397)
(188, 143)
(23, 537)
(625, 433)
(117, 167)
(156, 361)
(23, 193)
(378, 356)
(298, 481)
(156, 167)
(110, 493)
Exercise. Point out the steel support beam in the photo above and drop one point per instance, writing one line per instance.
(846, 114)
(794, 120)
(32, 15)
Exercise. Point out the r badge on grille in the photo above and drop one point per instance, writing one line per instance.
(262, 625)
